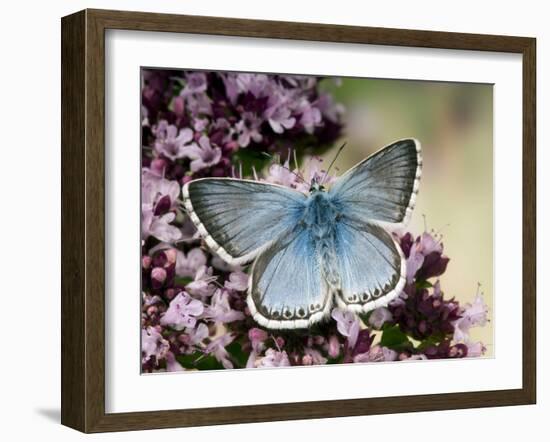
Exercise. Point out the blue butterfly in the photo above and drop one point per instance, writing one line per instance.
(312, 252)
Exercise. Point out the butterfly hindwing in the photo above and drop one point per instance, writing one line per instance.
(383, 187)
(370, 264)
(286, 289)
(239, 218)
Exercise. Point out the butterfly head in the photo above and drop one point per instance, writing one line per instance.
(316, 186)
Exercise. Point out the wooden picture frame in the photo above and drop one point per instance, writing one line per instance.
(83, 219)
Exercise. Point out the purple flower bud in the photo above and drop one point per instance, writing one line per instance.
(406, 243)
(146, 261)
(159, 260)
(333, 346)
(318, 340)
(231, 147)
(434, 264)
(162, 206)
(178, 105)
(171, 255)
(458, 351)
(170, 293)
(257, 335)
(158, 166)
(158, 276)
(178, 171)
(364, 341)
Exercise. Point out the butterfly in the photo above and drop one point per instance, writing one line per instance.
(312, 252)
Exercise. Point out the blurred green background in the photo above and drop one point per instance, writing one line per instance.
(454, 124)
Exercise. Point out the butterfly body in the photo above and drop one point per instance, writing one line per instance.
(311, 252)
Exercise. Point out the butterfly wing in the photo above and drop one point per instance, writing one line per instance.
(240, 218)
(383, 187)
(286, 289)
(370, 264)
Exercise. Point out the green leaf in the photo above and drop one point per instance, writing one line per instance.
(423, 284)
(179, 280)
(250, 159)
(199, 361)
(394, 338)
(238, 356)
(432, 340)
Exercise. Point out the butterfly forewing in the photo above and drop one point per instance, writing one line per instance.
(382, 187)
(239, 218)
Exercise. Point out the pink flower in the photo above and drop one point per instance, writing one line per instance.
(195, 82)
(200, 124)
(203, 155)
(200, 285)
(274, 358)
(257, 338)
(414, 261)
(376, 354)
(248, 129)
(219, 309)
(158, 276)
(329, 109)
(347, 324)
(197, 335)
(153, 344)
(182, 312)
(171, 143)
(425, 257)
(187, 265)
(314, 356)
(238, 281)
(172, 364)
(389, 354)
(155, 188)
(281, 174)
(379, 317)
(333, 346)
(475, 350)
(473, 315)
(310, 115)
(314, 172)
(217, 348)
(159, 227)
(278, 114)
(407, 357)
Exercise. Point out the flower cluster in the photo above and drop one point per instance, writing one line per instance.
(194, 314)
(196, 124)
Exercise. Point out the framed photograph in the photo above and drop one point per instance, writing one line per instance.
(265, 220)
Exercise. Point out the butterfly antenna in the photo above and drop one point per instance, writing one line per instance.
(332, 162)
